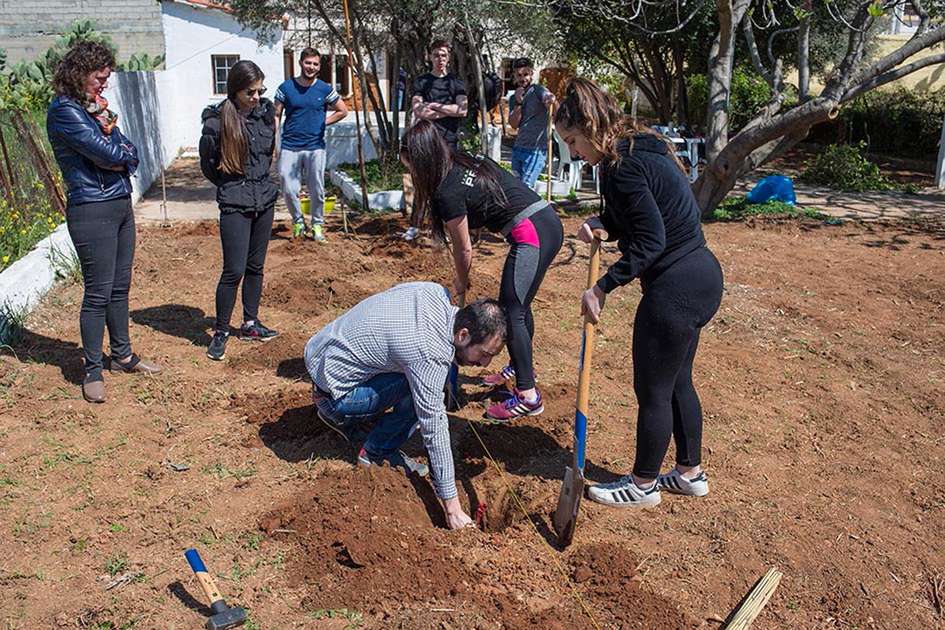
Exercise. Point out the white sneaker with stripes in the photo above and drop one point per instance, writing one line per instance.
(624, 493)
(675, 483)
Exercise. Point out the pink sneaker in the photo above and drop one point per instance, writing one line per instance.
(505, 375)
(514, 407)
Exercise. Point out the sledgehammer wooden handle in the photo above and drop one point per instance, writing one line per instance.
(203, 576)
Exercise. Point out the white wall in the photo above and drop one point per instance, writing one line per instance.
(191, 36)
(160, 111)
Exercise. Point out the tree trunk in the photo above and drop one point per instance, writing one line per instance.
(480, 88)
(720, 75)
(803, 56)
(760, 141)
(682, 98)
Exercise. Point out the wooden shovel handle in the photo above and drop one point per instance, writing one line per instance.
(584, 377)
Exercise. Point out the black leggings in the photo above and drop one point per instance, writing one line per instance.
(675, 307)
(103, 233)
(245, 239)
(535, 243)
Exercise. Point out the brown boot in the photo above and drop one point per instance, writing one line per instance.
(134, 364)
(94, 391)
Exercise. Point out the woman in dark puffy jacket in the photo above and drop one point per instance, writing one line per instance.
(236, 149)
(97, 161)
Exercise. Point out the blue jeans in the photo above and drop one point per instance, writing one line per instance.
(527, 164)
(366, 404)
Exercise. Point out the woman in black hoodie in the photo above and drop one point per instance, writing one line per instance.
(650, 211)
(236, 149)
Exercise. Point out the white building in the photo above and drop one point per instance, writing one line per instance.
(202, 41)
(160, 111)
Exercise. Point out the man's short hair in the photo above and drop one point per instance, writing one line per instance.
(439, 43)
(483, 319)
(307, 52)
(522, 62)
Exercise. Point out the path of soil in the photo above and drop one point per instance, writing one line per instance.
(821, 380)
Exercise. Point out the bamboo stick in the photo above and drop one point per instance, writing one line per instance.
(752, 604)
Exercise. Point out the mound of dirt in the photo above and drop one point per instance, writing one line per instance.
(298, 292)
(284, 355)
(372, 540)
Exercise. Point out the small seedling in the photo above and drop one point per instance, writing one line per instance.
(116, 564)
(353, 617)
(252, 541)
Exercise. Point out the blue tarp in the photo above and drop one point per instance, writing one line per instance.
(773, 188)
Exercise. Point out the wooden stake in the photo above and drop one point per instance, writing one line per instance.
(752, 604)
(357, 115)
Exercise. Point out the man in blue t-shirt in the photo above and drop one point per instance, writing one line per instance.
(529, 108)
(305, 100)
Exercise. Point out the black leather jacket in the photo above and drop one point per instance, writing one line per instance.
(84, 153)
(254, 191)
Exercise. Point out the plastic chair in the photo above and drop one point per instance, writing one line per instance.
(565, 163)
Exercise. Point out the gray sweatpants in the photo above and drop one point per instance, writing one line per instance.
(293, 165)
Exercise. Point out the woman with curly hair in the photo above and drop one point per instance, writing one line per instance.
(97, 161)
(650, 211)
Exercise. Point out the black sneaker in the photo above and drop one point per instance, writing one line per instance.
(217, 349)
(257, 332)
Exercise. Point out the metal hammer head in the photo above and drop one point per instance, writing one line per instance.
(229, 618)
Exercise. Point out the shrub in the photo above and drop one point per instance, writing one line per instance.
(845, 167)
(902, 122)
(25, 224)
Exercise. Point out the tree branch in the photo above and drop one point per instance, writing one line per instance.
(836, 86)
(892, 75)
(910, 48)
(749, 32)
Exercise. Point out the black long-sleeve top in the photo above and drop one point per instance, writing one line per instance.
(649, 209)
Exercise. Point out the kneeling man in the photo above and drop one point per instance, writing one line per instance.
(385, 362)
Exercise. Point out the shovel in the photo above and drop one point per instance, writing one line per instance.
(569, 500)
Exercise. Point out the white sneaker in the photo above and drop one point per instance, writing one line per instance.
(675, 483)
(624, 493)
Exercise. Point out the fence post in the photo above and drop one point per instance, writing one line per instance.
(11, 191)
(940, 169)
(29, 133)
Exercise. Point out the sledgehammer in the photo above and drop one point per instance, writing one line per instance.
(569, 500)
(223, 616)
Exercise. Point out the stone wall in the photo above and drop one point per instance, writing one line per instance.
(29, 27)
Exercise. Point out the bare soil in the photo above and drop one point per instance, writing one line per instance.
(821, 381)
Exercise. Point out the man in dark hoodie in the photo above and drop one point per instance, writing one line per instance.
(651, 212)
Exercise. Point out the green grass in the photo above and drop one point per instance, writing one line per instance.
(738, 208)
(65, 265)
(12, 323)
(220, 471)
